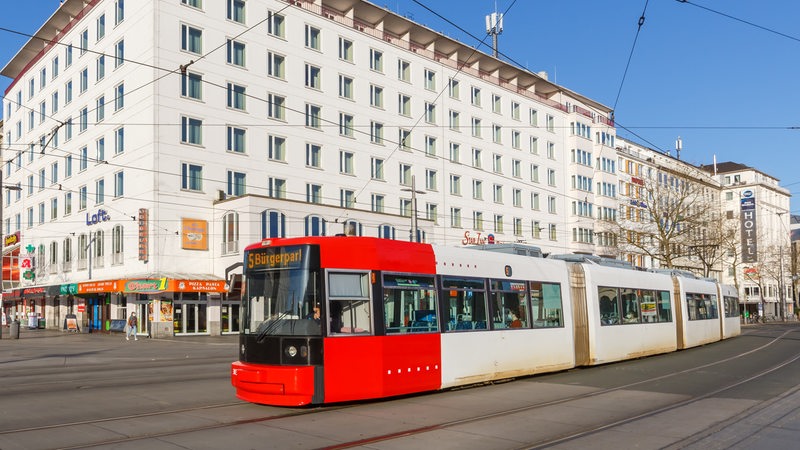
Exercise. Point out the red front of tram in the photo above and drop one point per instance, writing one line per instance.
(309, 332)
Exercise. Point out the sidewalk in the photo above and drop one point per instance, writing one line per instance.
(25, 334)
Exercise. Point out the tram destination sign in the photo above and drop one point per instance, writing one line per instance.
(290, 257)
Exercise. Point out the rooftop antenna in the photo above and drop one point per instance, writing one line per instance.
(678, 147)
(494, 27)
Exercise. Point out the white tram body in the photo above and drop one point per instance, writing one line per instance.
(697, 311)
(731, 322)
(480, 356)
(616, 335)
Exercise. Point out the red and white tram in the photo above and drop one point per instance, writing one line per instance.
(333, 319)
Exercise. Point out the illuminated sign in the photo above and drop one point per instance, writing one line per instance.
(748, 226)
(143, 235)
(11, 239)
(275, 258)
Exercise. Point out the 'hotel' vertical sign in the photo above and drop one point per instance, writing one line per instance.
(748, 225)
(143, 235)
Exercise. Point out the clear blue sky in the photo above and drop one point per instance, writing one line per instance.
(727, 88)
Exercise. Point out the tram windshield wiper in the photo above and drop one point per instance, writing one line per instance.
(272, 326)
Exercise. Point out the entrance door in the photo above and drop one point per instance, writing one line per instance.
(230, 317)
(142, 315)
(190, 318)
(95, 313)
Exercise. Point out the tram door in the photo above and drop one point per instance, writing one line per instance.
(230, 317)
(190, 318)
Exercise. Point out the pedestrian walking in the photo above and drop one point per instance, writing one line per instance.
(132, 323)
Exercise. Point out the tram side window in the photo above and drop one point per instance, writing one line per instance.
(664, 308)
(409, 304)
(546, 305)
(731, 306)
(609, 307)
(349, 307)
(701, 306)
(630, 305)
(510, 303)
(464, 303)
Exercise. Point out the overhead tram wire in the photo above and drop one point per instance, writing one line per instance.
(630, 55)
(746, 22)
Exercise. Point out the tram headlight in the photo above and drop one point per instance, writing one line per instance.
(291, 351)
(304, 351)
(242, 349)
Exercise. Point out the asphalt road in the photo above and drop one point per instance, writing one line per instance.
(100, 391)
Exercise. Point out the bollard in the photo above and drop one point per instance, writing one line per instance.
(14, 331)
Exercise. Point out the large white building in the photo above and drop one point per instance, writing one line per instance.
(151, 144)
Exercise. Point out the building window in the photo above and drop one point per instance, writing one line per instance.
(346, 162)
(119, 140)
(100, 66)
(277, 188)
(237, 96)
(84, 80)
(345, 124)
(230, 233)
(277, 148)
(376, 168)
(347, 198)
(375, 96)
(119, 11)
(313, 116)
(82, 198)
(273, 224)
(119, 54)
(83, 159)
(346, 87)
(235, 53)
(235, 11)
(376, 60)
(430, 146)
(119, 184)
(313, 155)
(455, 217)
(430, 113)
(236, 139)
(313, 37)
(119, 97)
(236, 183)
(403, 70)
(404, 139)
(430, 80)
(100, 150)
(193, 3)
(191, 177)
(191, 39)
(405, 174)
(431, 181)
(345, 49)
(191, 130)
(404, 105)
(476, 96)
(275, 24)
(100, 109)
(377, 203)
(376, 133)
(100, 191)
(313, 193)
(276, 108)
(455, 184)
(313, 77)
(275, 65)
(192, 85)
(83, 45)
(315, 225)
(452, 88)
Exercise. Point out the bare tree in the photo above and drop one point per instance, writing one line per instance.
(672, 217)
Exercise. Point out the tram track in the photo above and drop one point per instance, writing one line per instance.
(589, 431)
(289, 413)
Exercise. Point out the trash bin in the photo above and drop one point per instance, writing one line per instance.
(14, 331)
(42, 323)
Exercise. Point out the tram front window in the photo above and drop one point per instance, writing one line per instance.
(282, 302)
